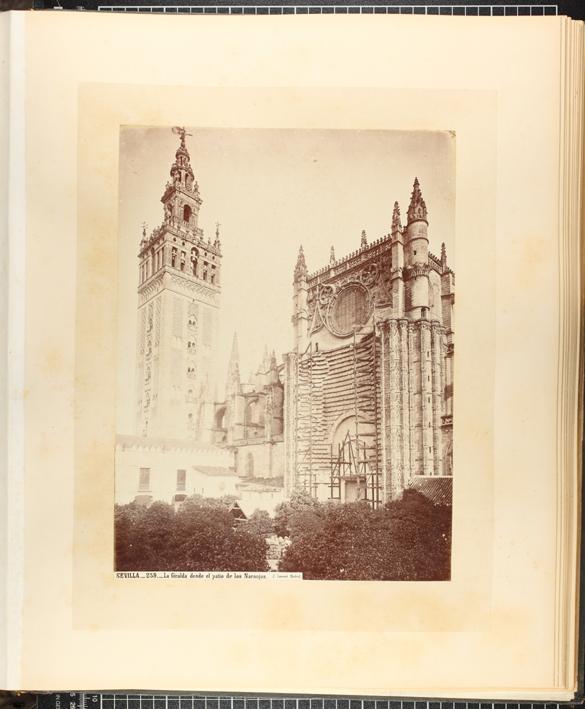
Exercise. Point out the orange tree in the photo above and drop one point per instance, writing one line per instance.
(201, 536)
(408, 540)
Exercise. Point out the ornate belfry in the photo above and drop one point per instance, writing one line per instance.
(368, 387)
(178, 301)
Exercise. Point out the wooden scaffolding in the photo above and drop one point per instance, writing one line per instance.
(357, 458)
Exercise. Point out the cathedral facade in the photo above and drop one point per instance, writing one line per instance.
(369, 384)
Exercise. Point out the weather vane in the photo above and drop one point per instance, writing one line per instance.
(180, 130)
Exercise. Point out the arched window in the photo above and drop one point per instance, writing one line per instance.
(251, 412)
(220, 418)
(250, 465)
(186, 213)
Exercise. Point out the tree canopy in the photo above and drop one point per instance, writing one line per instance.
(407, 540)
(202, 535)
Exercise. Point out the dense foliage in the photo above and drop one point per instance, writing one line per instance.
(407, 540)
(201, 536)
(261, 523)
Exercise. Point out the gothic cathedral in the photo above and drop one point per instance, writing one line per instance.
(360, 409)
(368, 387)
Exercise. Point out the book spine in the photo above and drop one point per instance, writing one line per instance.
(570, 378)
(4, 110)
(12, 245)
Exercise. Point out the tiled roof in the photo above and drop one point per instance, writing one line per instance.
(143, 500)
(215, 470)
(248, 508)
(438, 489)
(237, 511)
(270, 482)
(125, 442)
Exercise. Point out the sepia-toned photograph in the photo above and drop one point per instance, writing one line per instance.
(285, 352)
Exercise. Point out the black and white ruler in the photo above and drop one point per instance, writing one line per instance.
(337, 8)
(493, 8)
(104, 700)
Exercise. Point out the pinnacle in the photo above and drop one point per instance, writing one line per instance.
(181, 171)
(234, 354)
(416, 193)
(233, 380)
(364, 241)
(417, 210)
(396, 225)
(301, 267)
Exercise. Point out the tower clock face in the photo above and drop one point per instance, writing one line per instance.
(349, 310)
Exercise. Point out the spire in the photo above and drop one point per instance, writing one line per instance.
(233, 377)
(332, 257)
(217, 242)
(177, 130)
(272, 370)
(181, 170)
(301, 267)
(235, 355)
(364, 241)
(396, 225)
(265, 360)
(417, 210)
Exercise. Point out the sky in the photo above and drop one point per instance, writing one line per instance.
(271, 191)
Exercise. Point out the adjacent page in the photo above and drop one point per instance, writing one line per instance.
(174, 166)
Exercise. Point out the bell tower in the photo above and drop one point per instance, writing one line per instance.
(178, 307)
(181, 198)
